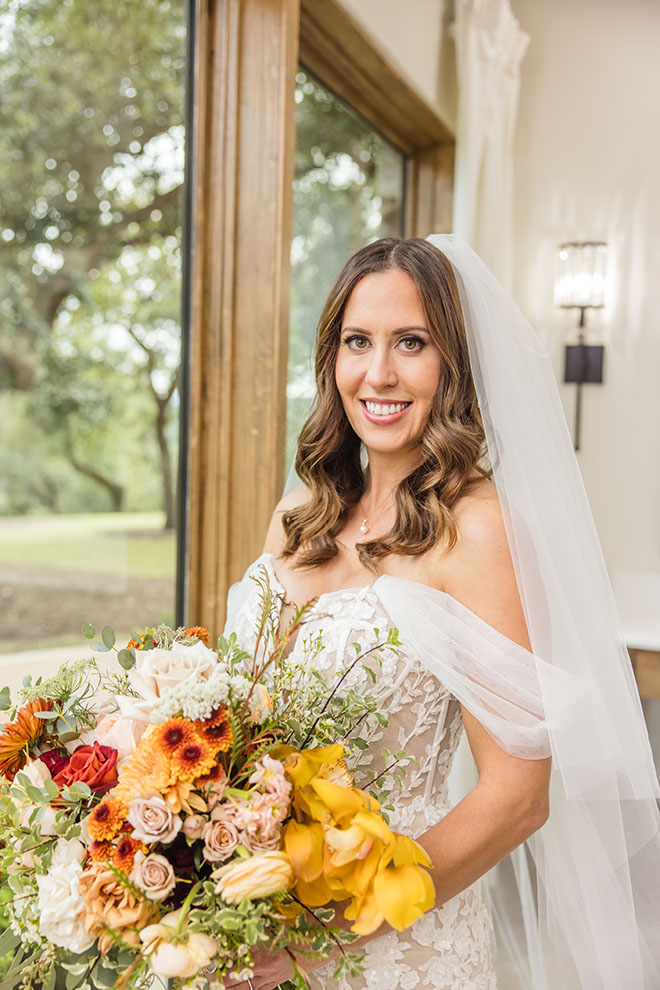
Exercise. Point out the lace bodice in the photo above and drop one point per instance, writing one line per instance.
(450, 946)
(424, 719)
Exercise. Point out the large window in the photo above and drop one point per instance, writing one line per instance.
(348, 191)
(91, 166)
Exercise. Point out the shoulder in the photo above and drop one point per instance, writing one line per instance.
(479, 571)
(275, 536)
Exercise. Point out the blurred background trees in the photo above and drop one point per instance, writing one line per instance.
(91, 169)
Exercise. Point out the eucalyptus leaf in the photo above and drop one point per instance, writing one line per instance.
(108, 636)
(100, 647)
(89, 632)
(126, 659)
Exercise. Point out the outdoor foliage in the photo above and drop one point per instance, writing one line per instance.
(91, 167)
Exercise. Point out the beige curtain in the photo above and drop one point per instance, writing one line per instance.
(490, 46)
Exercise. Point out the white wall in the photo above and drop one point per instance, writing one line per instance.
(587, 161)
(413, 36)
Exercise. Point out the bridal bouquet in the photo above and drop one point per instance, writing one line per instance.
(178, 813)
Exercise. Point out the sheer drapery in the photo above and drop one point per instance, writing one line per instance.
(490, 47)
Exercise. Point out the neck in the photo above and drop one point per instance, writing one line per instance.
(385, 472)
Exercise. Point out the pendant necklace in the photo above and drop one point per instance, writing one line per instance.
(364, 528)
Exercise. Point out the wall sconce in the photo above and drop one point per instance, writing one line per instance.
(581, 284)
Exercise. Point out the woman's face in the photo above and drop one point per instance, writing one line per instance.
(388, 367)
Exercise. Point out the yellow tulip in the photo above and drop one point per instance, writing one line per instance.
(304, 847)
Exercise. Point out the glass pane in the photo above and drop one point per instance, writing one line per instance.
(91, 166)
(348, 191)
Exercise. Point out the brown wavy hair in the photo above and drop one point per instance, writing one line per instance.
(452, 446)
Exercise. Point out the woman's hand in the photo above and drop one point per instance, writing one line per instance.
(270, 969)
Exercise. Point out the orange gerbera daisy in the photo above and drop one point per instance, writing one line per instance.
(200, 632)
(217, 730)
(17, 737)
(134, 643)
(100, 852)
(147, 770)
(193, 760)
(106, 819)
(172, 735)
(125, 851)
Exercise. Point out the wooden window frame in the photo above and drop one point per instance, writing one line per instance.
(240, 171)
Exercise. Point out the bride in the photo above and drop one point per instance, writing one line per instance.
(430, 503)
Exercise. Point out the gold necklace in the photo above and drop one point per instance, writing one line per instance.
(364, 528)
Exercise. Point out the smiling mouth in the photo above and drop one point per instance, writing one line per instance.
(384, 408)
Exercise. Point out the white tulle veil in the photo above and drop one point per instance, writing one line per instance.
(587, 915)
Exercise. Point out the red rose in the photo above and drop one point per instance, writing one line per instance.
(93, 765)
(55, 760)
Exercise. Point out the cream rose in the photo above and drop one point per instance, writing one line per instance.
(154, 875)
(259, 876)
(152, 820)
(220, 840)
(156, 671)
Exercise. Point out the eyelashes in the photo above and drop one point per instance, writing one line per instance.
(354, 339)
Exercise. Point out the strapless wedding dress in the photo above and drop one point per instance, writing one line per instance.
(449, 948)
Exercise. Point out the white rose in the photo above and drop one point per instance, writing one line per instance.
(67, 851)
(60, 907)
(37, 773)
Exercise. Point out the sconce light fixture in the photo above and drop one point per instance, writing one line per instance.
(581, 284)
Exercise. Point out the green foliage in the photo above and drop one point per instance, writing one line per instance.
(91, 171)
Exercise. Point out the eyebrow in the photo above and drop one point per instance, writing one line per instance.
(398, 330)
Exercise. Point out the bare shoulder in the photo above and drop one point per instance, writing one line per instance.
(275, 536)
(479, 571)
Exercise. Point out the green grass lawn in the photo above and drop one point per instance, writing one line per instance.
(133, 544)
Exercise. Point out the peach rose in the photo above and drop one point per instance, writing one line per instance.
(93, 765)
(122, 733)
(108, 904)
(154, 875)
(259, 876)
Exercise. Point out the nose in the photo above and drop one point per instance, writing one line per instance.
(381, 372)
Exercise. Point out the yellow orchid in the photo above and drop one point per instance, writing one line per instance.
(403, 894)
(302, 765)
(304, 847)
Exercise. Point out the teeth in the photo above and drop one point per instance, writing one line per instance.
(378, 409)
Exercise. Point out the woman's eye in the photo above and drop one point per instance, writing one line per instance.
(357, 343)
(411, 343)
